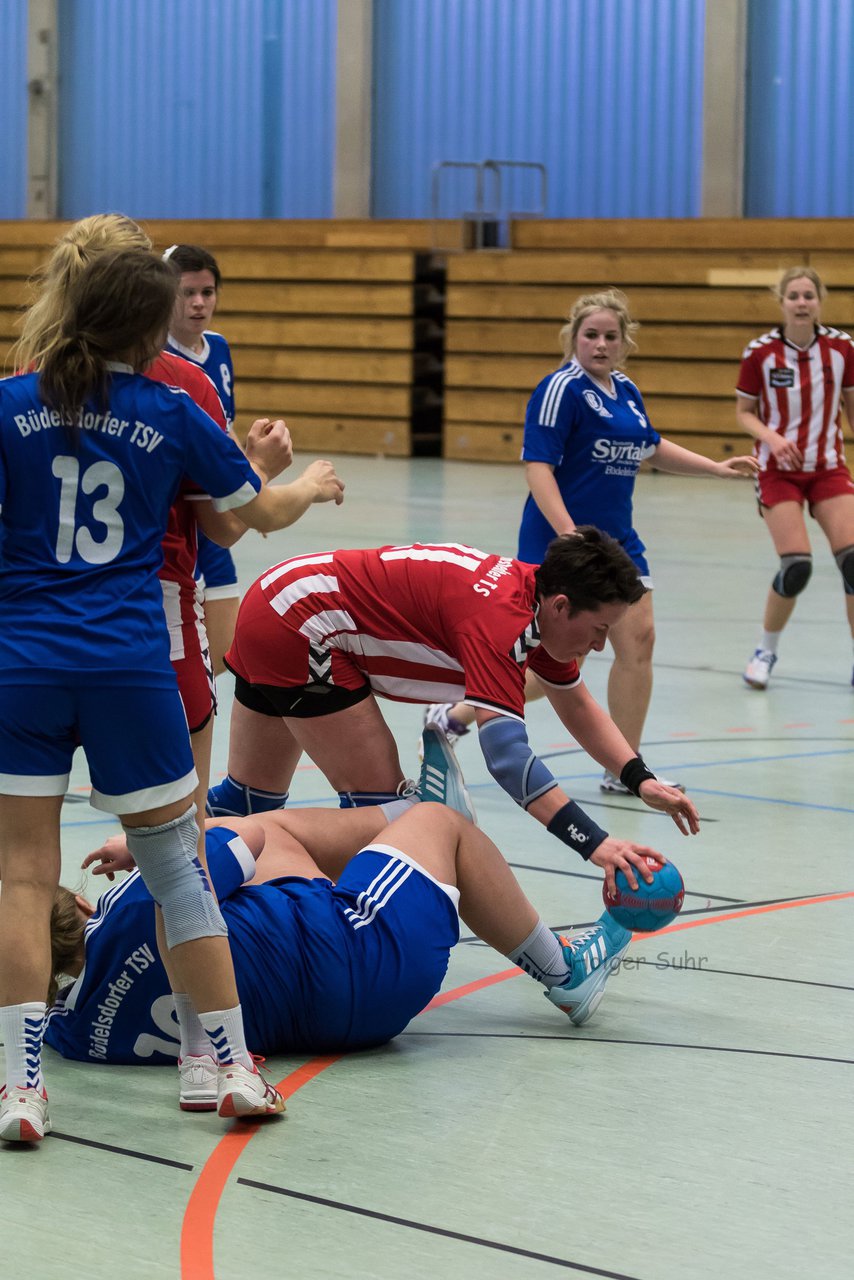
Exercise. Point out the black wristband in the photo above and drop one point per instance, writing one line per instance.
(572, 825)
(634, 773)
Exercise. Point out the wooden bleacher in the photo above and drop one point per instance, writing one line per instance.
(319, 314)
(699, 287)
(322, 317)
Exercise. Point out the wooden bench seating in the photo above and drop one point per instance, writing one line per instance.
(699, 288)
(320, 316)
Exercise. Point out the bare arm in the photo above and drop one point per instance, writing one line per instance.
(785, 451)
(595, 731)
(277, 506)
(546, 494)
(677, 461)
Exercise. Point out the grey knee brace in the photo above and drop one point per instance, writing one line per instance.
(845, 560)
(793, 575)
(167, 857)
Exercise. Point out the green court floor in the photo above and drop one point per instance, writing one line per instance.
(699, 1127)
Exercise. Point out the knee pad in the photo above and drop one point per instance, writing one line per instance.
(167, 857)
(845, 560)
(793, 575)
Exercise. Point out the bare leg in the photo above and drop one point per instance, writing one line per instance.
(220, 621)
(630, 678)
(788, 531)
(29, 870)
(836, 517)
(262, 751)
(354, 749)
(492, 903)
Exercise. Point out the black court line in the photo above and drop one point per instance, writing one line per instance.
(434, 1231)
(582, 875)
(639, 1044)
(762, 977)
(473, 940)
(121, 1151)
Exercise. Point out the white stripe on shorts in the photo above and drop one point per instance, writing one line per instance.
(382, 888)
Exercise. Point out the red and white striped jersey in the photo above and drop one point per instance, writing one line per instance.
(180, 545)
(424, 623)
(800, 393)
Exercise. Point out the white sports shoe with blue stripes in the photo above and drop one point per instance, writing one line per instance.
(592, 956)
(441, 777)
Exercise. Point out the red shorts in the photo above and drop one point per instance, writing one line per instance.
(774, 487)
(280, 671)
(190, 655)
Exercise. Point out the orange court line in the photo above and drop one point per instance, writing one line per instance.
(197, 1231)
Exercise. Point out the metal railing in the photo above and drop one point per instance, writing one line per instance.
(489, 220)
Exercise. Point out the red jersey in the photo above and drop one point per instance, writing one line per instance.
(800, 392)
(180, 542)
(424, 623)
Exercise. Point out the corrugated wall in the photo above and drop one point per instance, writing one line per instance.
(606, 93)
(203, 108)
(800, 106)
(13, 108)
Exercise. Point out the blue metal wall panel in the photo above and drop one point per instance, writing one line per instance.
(608, 95)
(203, 108)
(800, 100)
(13, 108)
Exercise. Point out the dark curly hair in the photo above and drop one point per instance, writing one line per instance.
(590, 568)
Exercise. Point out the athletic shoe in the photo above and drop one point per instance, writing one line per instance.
(591, 956)
(198, 1083)
(23, 1115)
(610, 782)
(759, 668)
(245, 1094)
(441, 777)
(438, 713)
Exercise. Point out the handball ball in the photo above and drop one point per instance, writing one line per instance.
(650, 906)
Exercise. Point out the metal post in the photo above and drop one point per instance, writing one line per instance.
(352, 185)
(42, 87)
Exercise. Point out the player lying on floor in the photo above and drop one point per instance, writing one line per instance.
(321, 967)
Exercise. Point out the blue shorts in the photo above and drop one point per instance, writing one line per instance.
(353, 962)
(533, 544)
(216, 572)
(136, 742)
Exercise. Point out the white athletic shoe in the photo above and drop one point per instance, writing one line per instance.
(198, 1077)
(610, 782)
(759, 668)
(245, 1094)
(23, 1115)
(441, 777)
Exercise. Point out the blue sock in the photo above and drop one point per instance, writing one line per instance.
(230, 799)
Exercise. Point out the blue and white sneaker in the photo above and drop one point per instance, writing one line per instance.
(592, 956)
(441, 777)
(758, 670)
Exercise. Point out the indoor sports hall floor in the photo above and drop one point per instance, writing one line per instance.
(699, 1127)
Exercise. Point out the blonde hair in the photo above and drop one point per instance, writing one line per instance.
(66, 939)
(796, 273)
(607, 300)
(73, 251)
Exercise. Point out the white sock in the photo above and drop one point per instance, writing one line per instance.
(395, 808)
(541, 955)
(22, 1030)
(225, 1029)
(195, 1041)
(770, 640)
